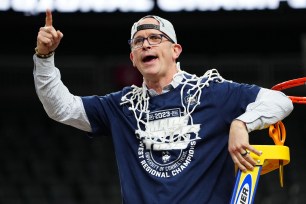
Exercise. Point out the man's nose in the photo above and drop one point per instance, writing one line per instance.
(146, 43)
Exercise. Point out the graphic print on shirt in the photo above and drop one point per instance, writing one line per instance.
(167, 144)
(168, 130)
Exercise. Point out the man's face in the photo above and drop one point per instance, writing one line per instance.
(154, 61)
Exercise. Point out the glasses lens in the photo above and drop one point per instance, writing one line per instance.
(155, 39)
(137, 42)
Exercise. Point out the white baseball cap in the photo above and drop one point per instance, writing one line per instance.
(164, 26)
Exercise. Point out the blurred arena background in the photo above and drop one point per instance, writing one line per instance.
(44, 162)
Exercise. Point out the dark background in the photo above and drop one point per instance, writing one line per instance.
(47, 162)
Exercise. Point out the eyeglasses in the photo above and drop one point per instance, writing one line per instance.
(153, 39)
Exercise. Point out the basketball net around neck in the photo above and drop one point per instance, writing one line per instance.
(175, 136)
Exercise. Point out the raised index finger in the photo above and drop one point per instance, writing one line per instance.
(48, 18)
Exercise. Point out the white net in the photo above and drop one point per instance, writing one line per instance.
(170, 133)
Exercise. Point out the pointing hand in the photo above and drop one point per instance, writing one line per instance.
(48, 38)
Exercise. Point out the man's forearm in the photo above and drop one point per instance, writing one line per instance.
(57, 101)
(269, 107)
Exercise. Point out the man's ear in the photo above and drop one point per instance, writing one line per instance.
(177, 49)
(132, 59)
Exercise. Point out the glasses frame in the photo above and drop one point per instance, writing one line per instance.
(130, 41)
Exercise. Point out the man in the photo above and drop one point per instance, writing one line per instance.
(178, 136)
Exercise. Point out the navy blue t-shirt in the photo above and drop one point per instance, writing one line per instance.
(174, 159)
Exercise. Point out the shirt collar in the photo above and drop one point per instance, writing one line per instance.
(177, 78)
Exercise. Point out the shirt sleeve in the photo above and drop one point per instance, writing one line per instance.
(269, 107)
(58, 102)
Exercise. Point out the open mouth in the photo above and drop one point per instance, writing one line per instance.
(149, 58)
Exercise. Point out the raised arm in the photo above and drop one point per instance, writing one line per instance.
(57, 101)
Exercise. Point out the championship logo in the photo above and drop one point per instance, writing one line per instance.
(167, 144)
